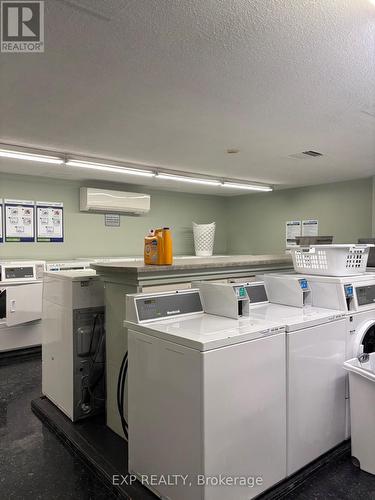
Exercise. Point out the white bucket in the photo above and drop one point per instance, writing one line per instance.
(204, 237)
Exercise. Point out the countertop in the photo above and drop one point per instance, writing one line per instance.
(228, 261)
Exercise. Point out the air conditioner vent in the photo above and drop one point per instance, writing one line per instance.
(104, 200)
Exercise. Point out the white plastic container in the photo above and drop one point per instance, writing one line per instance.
(362, 410)
(204, 238)
(331, 260)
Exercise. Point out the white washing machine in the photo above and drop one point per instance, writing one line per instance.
(21, 289)
(206, 397)
(355, 296)
(315, 351)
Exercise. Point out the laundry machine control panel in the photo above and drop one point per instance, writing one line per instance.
(365, 295)
(161, 306)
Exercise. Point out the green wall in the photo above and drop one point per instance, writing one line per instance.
(252, 223)
(85, 233)
(256, 222)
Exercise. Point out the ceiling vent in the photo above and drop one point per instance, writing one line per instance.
(312, 153)
(305, 155)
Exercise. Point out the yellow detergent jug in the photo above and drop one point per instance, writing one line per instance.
(153, 251)
(158, 247)
(167, 246)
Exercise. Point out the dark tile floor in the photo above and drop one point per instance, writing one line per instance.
(34, 464)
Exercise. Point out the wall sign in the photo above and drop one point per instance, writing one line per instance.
(49, 222)
(19, 220)
(1, 220)
(112, 220)
(310, 227)
(292, 230)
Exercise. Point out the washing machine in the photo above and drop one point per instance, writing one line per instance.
(206, 395)
(21, 289)
(315, 353)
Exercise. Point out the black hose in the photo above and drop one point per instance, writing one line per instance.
(120, 393)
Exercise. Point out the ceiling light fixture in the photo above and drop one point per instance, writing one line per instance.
(192, 180)
(127, 168)
(249, 187)
(18, 155)
(109, 168)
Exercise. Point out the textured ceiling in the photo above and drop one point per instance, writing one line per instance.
(176, 83)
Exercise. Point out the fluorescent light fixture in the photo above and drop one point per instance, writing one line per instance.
(249, 187)
(191, 180)
(109, 168)
(7, 153)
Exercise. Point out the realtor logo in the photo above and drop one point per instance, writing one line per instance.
(22, 26)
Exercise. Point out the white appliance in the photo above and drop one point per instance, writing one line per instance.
(67, 265)
(315, 350)
(21, 289)
(355, 296)
(101, 260)
(105, 200)
(73, 363)
(206, 396)
(362, 393)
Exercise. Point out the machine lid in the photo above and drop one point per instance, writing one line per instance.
(295, 318)
(73, 274)
(353, 278)
(205, 332)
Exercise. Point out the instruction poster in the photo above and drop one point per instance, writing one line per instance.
(49, 222)
(19, 220)
(292, 230)
(1, 220)
(310, 227)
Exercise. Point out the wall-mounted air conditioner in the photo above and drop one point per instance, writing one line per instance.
(105, 200)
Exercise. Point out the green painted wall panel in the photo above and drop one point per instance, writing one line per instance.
(85, 233)
(256, 222)
(253, 223)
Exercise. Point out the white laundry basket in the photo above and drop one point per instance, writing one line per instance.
(331, 260)
(204, 237)
(362, 409)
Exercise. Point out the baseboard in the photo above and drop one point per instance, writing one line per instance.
(19, 355)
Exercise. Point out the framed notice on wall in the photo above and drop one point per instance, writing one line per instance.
(49, 222)
(292, 230)
(1, 220)
(19, 220)
(310, 227)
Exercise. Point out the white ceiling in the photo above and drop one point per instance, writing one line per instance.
(177, 83)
